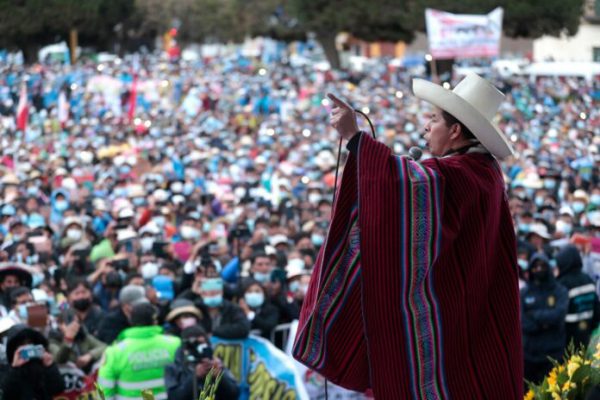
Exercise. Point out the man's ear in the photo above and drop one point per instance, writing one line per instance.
(455, 131)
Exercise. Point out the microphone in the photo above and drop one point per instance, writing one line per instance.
(415, 153)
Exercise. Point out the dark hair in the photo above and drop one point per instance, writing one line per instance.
(75, 283)
(131, 276)
(193, 332)
(143, 314)
(450, 120)
(258, 254)
(18, 292)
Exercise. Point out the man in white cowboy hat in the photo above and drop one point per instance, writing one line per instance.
(417, 291)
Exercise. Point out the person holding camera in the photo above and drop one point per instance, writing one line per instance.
(32, 373)
(194, 359)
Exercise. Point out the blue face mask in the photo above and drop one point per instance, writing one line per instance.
(139, 201)
(317, 240)
(578, 207)
(595, 199)
(523, 264)
(261, 277)
(61, 205)
(36, 279)
(213, 301)
(23, 312)
(294, 286)
(33, 190)
(524, 228)
(254, 300)
(549, 184)
(188, 189)
(539, 201)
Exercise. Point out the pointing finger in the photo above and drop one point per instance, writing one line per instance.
(338, 102)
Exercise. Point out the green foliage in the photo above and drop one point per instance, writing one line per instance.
(103, 22)
(572, 379)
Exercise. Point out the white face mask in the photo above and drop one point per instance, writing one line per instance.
(74, 234)
(189, 232)
(186, 322)
(149, 270)
(146, 244)
(314, 198)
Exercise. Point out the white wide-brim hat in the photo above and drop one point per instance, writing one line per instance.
(474, 102)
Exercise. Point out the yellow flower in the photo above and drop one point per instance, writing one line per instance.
(555, 396)
(561, 368)
(553, 388)
(572, 367)
(552, 378)
(530, 395)
(568, 385)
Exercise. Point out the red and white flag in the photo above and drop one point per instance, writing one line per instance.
(63, 109)
(132, 99)
(22, 109)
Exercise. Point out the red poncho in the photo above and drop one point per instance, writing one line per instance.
(415, 292)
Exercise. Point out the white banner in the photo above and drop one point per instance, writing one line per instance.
(463, 35)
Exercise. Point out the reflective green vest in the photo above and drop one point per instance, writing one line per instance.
(137, 363)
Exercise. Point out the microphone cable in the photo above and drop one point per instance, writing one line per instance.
(337, 168)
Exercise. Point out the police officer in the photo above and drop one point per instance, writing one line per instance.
(543, 309)
(137, 360)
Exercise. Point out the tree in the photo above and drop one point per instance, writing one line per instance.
(29, 24)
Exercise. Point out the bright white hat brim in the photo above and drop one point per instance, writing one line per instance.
(485, 131)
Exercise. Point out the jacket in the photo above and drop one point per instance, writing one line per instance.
(583, 312)
(112, 325)
(137, 362)
(543, 311)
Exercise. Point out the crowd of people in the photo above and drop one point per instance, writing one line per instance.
(151, 204)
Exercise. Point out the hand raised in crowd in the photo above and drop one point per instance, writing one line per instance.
(343, 117)
(203, 367)
(18, 361)
(70, 330)
(84, 360)
(244, 306)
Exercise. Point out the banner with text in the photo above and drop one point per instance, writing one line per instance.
(463, 35)
(263, 371)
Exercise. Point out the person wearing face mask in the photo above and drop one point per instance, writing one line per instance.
(80, 298)
(74, 231)
(59, 201)
(579, 202)
(183, 314)
(72, 342)
(190, 233)
(584, 308)
(263, 315)
(261, 268)
(227, 319)
(30, 378)
(544, 304)
(179, 375)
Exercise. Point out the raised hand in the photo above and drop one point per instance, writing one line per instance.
(343, 117)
